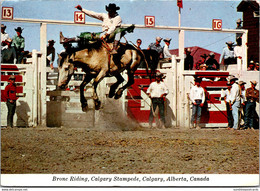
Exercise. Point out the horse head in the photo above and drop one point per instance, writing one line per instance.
(66, 69)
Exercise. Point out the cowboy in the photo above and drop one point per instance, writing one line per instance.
(197, 97)
(228, 55)
(156, 46)
(9, 53)
(211, 62)
(203, 67)
(166, 53)
(50, 53)
(19, 43)
(4, 37)
(235, 97)
(201, 61)
(157, 92)
(251, 66)
(252, 96)
(256, 66)
(243, 99)
(111, 22)
(188, 61)
(226, 96)
(239, 26)
(10, 95)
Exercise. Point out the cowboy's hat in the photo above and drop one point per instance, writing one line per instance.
(203, 65)
(233, 78)
(241, 82)
(229, 43)
(159, 39)
(18, 29)
(112, 7)
(159, 74)
(167, 40)
(253, 82)
(3, 26)
(51, 41)
(12, 77)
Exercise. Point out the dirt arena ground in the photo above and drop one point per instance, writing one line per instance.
(129, 150)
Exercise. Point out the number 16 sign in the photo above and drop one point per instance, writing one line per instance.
(79, 17)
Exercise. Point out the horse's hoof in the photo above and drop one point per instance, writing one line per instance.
(111, 94)
(97, 105)
(84, 107)
(118, 94)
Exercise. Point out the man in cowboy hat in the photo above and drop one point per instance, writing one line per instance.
(50, 53)
(156, 46)
(252, 96)
(157, 92)
(243, 99)
(226, 96)
(4, 37)
(239, 26)
(197, 97)
(228, 55)
(201, 61)
(211, 62)
(235, 97)
(111, 22)
(188, 61)
(166, 53)
(251, 65)
(256, 66)
(10, 95)
(8, 54)
(18, 43)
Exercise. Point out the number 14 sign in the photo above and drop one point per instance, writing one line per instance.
(79, 17)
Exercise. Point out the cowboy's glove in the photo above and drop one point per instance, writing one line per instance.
(79, 7)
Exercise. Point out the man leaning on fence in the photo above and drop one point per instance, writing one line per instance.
(157, 92)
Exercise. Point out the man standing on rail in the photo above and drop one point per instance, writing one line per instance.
(18, 43)
(157, 92)
(10, 95)
(111, 22)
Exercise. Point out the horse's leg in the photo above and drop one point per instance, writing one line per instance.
(129, 83)
(99, 77)
(113, 87)
(83, 101)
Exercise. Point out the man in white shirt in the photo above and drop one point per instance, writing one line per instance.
(4, 37)
(166, 53)
(197, 97)
(110, 22)
(157, 92)
(235, 101)
(226, 96)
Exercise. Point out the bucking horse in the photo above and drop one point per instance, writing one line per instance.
(96, 61)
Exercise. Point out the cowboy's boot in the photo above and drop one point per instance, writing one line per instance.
(115, 44)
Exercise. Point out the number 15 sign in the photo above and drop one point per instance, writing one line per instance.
(149, 21)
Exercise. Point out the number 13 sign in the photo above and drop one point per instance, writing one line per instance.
(79, 17)
(7, 13)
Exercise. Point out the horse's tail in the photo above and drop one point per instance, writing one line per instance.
(145, 60)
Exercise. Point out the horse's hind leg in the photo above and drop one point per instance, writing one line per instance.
(129, 83)
(113, 88)
(83, 101)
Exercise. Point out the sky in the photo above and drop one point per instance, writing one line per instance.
(197, 14)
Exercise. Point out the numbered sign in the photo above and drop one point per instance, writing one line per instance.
(217, 24)
(7, 13)
(149, 21)
(79, 17)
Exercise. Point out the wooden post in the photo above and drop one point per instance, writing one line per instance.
(43, 77)
(244, 46)
(35, 89)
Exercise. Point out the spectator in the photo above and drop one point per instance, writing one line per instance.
(10, 95)
(228, 55)
(157, 92)
(201, 61)
(203, 67)
(111, 23)
(4, 37)
(8, 54)
(50, 53)
(252, 96)
(212, 63)
(243, 99)
(238, 50)
(251, 66)
(19, 43)
(226, 96)
(256, 66)
(138, 43)
(197, 97)
(235, 101)
(188, 61)
(239, 26)
(156, 46)
(166, 53)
